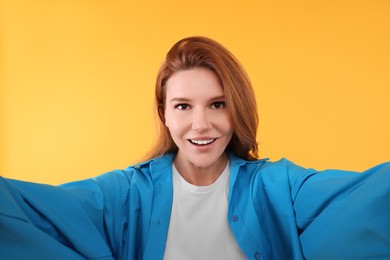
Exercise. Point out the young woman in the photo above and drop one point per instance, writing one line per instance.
(203, 193)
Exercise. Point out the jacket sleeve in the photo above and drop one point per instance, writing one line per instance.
(341, 214)
(73, 221)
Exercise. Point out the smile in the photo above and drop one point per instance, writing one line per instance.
(202, 142)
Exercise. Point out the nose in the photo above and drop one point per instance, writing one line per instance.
(200, 121)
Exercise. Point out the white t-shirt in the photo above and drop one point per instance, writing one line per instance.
(198, 227)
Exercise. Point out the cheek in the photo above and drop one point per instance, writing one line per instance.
(172, 124)
(175, 120)
(225, 123)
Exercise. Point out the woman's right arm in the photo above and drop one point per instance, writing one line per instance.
(73, 221)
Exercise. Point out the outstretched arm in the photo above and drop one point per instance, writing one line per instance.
(73, 221)
(344, 215)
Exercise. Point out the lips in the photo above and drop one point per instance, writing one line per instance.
(202, 142)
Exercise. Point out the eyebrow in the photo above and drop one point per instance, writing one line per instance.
(179, 99)
(182, 99)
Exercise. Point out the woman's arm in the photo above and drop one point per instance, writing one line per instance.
(73, 221)
(343, 215)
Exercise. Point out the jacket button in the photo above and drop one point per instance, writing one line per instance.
(258, 255)
(234, 218)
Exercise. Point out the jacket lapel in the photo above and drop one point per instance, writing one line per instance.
(161, 174)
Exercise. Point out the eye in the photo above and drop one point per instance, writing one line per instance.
(218, 105)
(182, 106)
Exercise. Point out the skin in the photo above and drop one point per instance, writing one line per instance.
(199, 124)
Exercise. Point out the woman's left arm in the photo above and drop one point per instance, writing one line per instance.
(341, 214)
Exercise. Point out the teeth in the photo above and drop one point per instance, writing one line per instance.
(202, 142)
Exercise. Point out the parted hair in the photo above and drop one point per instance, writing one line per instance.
(202, 52)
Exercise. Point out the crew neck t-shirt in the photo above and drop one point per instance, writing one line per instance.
(198, 227)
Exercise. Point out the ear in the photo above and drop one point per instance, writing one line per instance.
(161, 115)
(166, 122)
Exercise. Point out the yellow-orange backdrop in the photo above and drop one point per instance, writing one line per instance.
(77, 79)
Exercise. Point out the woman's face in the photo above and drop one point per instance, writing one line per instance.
(197, 118)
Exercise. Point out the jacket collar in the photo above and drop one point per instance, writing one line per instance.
(166, 160)
(161, 166)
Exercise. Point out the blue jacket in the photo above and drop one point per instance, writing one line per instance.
(277, 210)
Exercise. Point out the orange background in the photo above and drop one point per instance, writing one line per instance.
(77, 79)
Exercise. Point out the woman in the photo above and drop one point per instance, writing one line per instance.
(203, 193)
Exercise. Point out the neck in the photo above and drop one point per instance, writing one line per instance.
(200, 176)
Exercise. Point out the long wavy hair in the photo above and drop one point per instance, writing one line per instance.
(202, 52)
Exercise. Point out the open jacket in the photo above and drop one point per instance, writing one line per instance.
(277, 210)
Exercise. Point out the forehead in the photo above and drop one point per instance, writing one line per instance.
(194, 83)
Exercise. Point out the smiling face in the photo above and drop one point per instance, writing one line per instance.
(198, 120)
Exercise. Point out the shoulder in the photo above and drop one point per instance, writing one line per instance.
(143, 167)
(282, 168)
(137, 173)
(279, 177)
